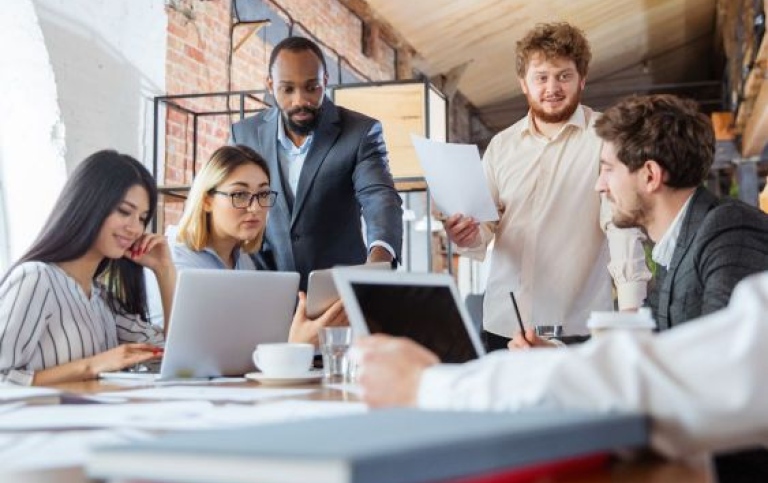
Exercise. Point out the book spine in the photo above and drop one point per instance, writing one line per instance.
(590, 464)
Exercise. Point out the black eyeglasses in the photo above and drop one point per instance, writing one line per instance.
(243, 200)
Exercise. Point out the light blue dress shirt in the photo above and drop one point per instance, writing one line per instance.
(291, 156)
(184, 257)
(292, 159)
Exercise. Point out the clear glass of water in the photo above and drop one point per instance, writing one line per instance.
(334, 346)
(549, 331)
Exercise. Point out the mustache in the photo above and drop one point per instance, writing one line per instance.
(304, 110)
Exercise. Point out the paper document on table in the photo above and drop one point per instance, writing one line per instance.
(29, 451)
(279, 411)
(12, 392)
(208, 393)
(454, 173)
(167, 415)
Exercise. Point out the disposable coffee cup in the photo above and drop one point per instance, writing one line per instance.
(283, 359)
(639, 322)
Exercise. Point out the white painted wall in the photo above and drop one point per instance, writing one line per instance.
(31, 134)
(108, 57)
(76, 76)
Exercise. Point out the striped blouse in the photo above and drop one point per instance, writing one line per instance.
(47, 320)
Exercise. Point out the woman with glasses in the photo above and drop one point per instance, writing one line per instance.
(74, 305)
(224, 221)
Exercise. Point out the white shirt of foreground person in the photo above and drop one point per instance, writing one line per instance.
(704, 384)
(555, 235)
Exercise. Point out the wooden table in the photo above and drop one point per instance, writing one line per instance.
(647, 470)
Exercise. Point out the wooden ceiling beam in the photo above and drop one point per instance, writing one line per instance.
(385, 30)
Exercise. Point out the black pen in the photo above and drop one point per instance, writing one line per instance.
(519, 320)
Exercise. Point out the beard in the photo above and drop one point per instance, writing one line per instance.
(634, 217)
(556, 117)
(305, 127)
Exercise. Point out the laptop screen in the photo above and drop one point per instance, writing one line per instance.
(425, 313)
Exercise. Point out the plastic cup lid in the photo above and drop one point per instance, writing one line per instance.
(621, 320)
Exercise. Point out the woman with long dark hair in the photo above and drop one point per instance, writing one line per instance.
(75, 304)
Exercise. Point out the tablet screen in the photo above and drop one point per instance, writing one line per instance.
(425, 313)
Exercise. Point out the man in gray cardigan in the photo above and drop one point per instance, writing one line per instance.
(329, 166)
(657, 152)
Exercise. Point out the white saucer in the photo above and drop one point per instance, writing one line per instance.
(306, 378)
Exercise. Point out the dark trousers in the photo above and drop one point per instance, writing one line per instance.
(746, 466)
(494, 342)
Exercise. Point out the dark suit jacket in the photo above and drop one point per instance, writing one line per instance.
(346, 172)
(720, 243)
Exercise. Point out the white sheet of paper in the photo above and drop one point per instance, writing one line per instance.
(35, 451)
(144, 380)
(169, 415)
(454, 173)
(209, 393)
(12, 392)
(41, 450)
(279, 411)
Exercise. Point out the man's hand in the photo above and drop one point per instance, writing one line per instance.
(379, 254)
(462, 230)
(390, 369)
(529, 341)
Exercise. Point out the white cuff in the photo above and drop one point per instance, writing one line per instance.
(384, 245)
(19, 377)
(631, 294)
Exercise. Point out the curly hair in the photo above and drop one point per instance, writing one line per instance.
(664, 128)
(554, 40)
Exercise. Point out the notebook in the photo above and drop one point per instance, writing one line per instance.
(424, 307)
(217, 319)
(388, 446)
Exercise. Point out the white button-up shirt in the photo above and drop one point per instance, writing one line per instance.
(664, 249)
(550, 246)
(704, 384)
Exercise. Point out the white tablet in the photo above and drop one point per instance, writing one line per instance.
(424, 307)
(321, 290)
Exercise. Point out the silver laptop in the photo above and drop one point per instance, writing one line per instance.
(424, 307)
(219, 316)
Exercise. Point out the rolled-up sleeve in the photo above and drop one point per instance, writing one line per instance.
(132, 328)
(627, 265)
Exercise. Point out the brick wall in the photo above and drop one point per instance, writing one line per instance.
(196, 62)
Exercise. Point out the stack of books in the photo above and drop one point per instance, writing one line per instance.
(392, 446)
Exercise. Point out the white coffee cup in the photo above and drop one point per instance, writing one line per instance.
(283, 359)
(639, 322)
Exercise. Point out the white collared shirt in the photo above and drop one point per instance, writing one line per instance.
(703, 384)
(663, 250)
(554, 244)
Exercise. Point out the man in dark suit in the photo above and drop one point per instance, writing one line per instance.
(657, 152)
(328, 164)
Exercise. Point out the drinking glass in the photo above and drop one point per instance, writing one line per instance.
(549, 330)
(334, 345)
